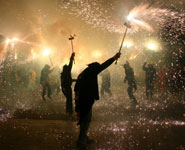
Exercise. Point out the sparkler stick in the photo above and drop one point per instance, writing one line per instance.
(50, 60)
(71, 38)
(127, 25)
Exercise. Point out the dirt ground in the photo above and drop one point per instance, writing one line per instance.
(158, 124)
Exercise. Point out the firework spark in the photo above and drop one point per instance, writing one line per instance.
(143, 17)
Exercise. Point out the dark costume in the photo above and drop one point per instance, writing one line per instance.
(105, 86)
(129, 76)
(55, 80)
(149, 81)
(66, 82)
(44, 81)
(86, 92)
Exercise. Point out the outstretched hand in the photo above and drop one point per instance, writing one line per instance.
(117, 56)
(73, 55)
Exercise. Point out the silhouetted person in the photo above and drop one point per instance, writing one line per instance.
(149, 79)
(44, 81)
(55, 80)
(66, 82)
(86, 92)
(105, 86)
(129, 77)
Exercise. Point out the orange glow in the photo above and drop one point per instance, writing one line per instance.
(96, 54)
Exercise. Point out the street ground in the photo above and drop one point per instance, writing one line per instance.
(28, 123)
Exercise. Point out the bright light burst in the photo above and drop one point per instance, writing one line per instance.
(135, 22)
(8, 41)
(127, 44)
(15, 39)
(11, 40)
(152, 46)
(143, 17)
(46, 52)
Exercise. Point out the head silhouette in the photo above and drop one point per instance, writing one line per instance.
(93, 65)
(47, 67)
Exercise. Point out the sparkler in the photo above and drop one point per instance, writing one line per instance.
(127, 25)
(132, 18)
(71, 38)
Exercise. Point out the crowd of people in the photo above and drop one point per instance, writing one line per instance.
(86, 87)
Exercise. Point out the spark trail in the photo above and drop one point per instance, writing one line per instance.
(142, 17)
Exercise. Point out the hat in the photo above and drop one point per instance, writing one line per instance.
(94, 64)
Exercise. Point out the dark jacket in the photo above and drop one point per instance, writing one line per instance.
(86, 87)
(44, 78)
(150, 74)
(129, 72)
(106, 79)
(66, 79)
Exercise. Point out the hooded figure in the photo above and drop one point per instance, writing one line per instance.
(44, 81)
(129, 77)
(86, 92)
(150, 78)
(105, 86)
(66, 82)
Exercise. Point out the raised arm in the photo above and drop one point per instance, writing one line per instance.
(108, 62)
(71, 61)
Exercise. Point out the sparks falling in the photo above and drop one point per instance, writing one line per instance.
(140, 16)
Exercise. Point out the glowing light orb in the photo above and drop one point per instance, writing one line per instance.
(15, 39)
(152, 46)
(8, 41)
(127, 44)
(96, 54)
(46, 52)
